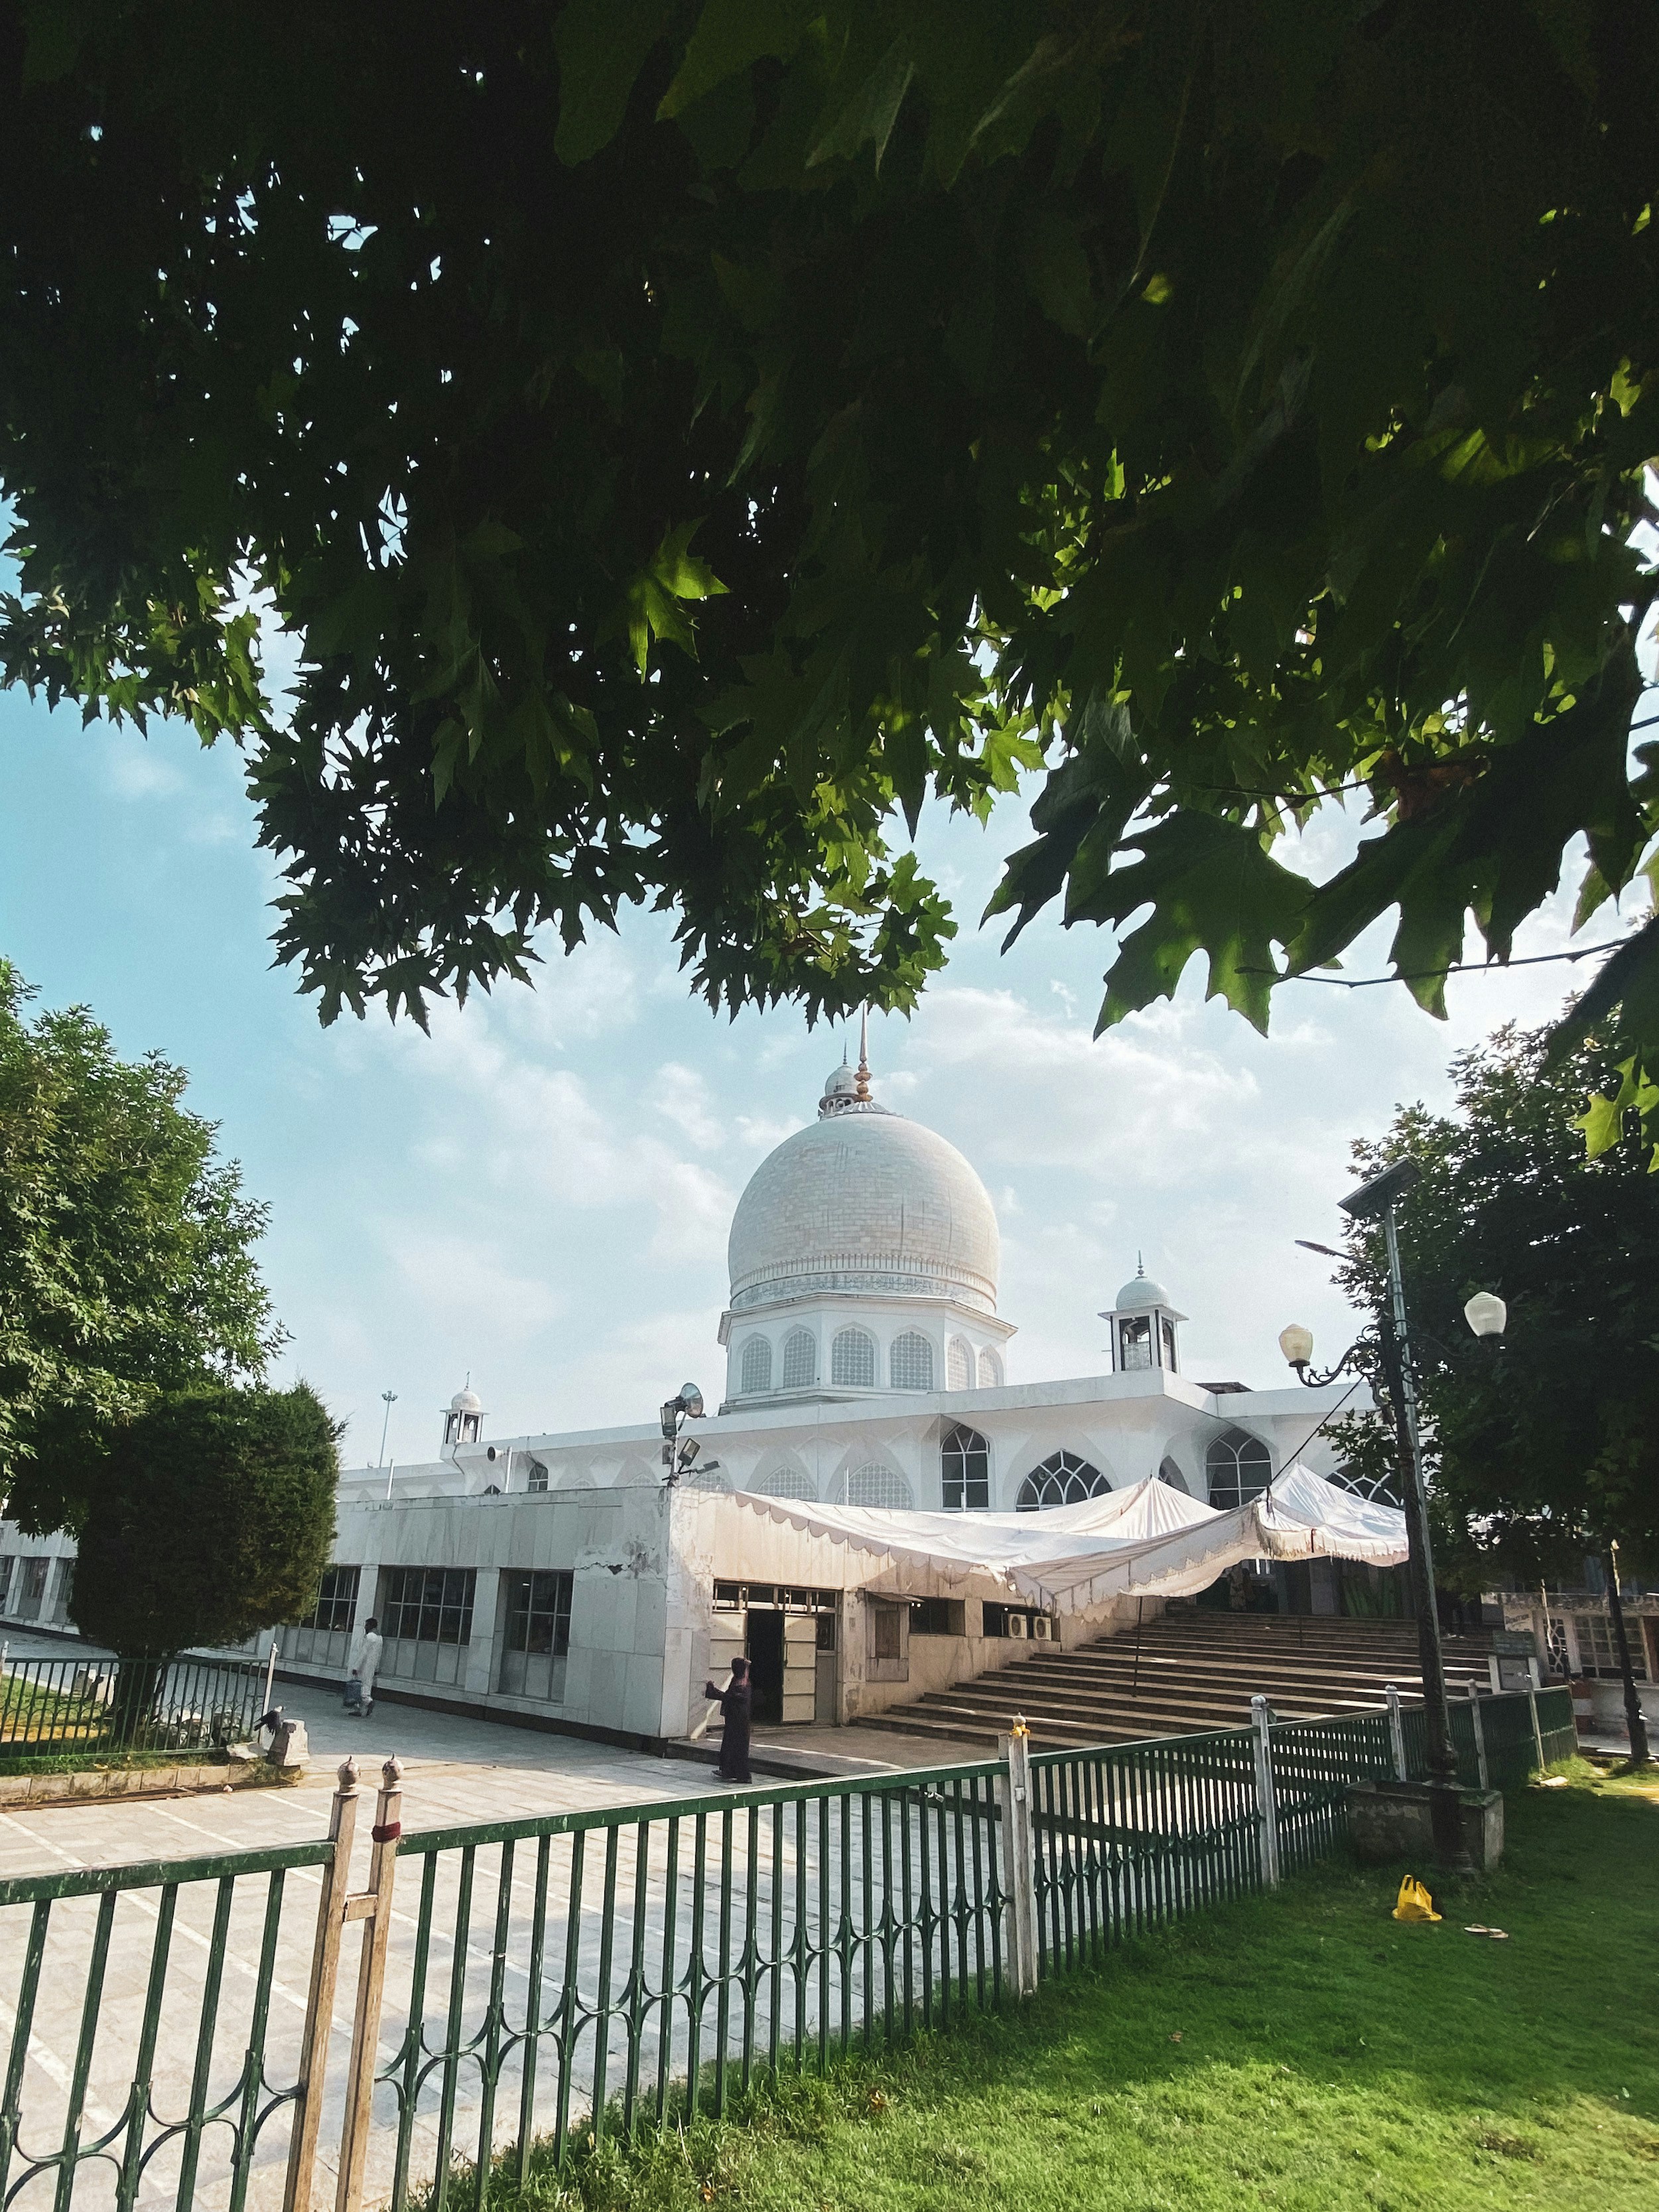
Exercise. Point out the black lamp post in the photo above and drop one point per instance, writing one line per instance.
(1372, 1202)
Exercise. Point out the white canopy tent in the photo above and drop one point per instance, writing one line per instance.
(1152, 1541)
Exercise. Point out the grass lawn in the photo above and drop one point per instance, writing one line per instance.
(1304, 2052)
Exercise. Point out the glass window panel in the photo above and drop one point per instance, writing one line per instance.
(1062, 1479)
(965, 1467)
(1239, 1469)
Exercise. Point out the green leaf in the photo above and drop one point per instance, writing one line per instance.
(1214, 889)
(1627, 987)
(869, 115)
(732, 35)
(602, 46)
(1603, 1124)
(1058, 271)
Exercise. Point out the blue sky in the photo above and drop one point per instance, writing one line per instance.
(539, 1192)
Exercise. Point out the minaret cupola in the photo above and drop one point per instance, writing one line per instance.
(1146, 1325)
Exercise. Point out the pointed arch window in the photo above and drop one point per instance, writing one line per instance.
(852, 1360)
(757, 1367)
(958, 1365)
(1382, 1489)
(910, 1362)
(1170, 1472)
(990, 1370)
(965, 1469)
(785, 1482)
(876, 1484)
(800, 1359)
(1239, 1467)
(1063, 1478)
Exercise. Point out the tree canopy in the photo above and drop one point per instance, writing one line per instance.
(211, 1516)
(1545, 1445)
(128, 1253)
(686, 437)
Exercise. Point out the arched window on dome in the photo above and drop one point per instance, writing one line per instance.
(756, 1375)
(800, 1359)
(990, 1370)
(852, 1360)
(910, 1362)
(965, 1467)
(874, 1484)
(1063, 1478)
(1239, 1469)
(958, 1365)
(785, 1482)
(705, 1478)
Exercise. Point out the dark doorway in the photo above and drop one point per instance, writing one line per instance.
(763, 1642)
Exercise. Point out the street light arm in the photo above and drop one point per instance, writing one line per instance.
(1311, 1376)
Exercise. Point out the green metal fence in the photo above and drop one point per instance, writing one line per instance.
(103, 1706)
(144, 2066)
(590, 1971)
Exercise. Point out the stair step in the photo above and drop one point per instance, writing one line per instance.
(1185, 1673)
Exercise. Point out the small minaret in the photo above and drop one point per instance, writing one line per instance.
(1144, 1326)
(464, 1420)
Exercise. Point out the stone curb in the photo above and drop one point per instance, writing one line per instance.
(87, 1787)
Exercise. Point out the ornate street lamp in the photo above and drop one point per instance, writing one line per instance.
(1373, 1201)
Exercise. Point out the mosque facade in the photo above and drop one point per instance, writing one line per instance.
(591, 1580)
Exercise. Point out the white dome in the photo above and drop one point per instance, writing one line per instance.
(466, 1401)
(863, 1201)
(1142, 1294)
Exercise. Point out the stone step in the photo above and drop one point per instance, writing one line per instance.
(1189, 1673)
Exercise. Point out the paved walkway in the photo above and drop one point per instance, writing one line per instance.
(456, 1768)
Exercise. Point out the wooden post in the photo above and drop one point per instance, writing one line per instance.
(374, 1907)
(1266, 1798)
(319, 2000)
(1479, 1736)
(1537, 1732)
(1397, 1734)
(1020, 1855)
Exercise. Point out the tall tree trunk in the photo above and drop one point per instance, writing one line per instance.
(1636, 1727)
(138, 1680)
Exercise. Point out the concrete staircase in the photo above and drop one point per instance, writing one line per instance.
(1192, 1671)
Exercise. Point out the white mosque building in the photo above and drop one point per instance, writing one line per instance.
(854, 1512)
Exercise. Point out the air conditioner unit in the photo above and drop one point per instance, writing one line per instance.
(1044, 1629)
(1016, 1626)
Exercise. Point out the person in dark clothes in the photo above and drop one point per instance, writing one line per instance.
(734, 1710)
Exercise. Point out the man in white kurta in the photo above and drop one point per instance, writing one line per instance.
(365, 1666)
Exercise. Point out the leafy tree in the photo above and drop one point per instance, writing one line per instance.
(211, 1515)
(129, 1266)
(1546, 1446)
(683, 439)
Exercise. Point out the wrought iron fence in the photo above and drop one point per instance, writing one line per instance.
(592, 1971)
(103, 1706)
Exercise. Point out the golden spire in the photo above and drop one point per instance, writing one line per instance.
(862, 1091)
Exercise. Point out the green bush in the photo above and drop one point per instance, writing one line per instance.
(212, 1516)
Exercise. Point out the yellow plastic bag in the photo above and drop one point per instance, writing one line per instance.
(1415, 1903)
